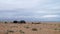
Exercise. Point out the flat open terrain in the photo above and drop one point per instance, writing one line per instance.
(29, 28)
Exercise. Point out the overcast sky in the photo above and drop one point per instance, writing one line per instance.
(33, 10)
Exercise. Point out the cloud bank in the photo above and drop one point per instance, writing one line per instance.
(32, 9)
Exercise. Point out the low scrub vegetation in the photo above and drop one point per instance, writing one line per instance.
(34, 29)
(10, 31)
(26, 27)
(22, 32)
(36, 23)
